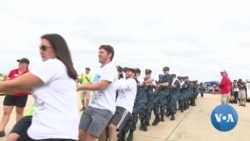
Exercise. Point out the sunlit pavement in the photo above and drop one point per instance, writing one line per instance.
(193, 124)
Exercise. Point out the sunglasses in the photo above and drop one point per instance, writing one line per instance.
(44, 48)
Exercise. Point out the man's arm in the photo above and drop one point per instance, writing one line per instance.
(140, 84)
(150, 80)
(165, 84)
(99, 86)
(87, 78)
(173, 86)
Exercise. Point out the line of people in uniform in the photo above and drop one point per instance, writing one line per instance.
(160, 97)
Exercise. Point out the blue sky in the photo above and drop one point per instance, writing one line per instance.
(194, 38)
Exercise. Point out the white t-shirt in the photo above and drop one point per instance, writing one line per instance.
(126, 93)
(106, 99)
(140, 78)
(56, 113)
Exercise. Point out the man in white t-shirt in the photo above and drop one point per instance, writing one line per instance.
(126, 89)
(102, 107)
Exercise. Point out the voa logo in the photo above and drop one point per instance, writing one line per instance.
(224, 117)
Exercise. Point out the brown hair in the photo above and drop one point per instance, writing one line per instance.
(109, 49)
(62, 52)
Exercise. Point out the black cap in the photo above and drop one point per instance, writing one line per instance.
(87, 68)
(148, 71)
(180, 77)
(23, 60)
(137, 70)
(119, 68)
(165, 68)
(127, 68)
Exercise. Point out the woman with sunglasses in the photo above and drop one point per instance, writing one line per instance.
(53, 86)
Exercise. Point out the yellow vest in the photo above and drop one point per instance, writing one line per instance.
(84, 80)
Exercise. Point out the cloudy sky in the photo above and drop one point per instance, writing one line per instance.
(196, 38)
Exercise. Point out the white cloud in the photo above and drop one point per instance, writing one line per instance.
(195, 38)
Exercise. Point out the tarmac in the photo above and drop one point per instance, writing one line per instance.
(193, 124)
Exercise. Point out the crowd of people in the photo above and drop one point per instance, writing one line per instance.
(112, 101)
(232, 92)
(238, 93)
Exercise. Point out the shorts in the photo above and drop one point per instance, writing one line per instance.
(85, 94)
(94, 120)
(120, 117)
(242, 94)
(21, 128)
(52, 140)
(18, 101)
(225, 98)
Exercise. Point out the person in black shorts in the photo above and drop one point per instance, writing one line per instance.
(19, 131)
(18, 99)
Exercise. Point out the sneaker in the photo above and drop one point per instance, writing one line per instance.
(2, 133)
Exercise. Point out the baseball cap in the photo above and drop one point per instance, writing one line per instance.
(119, 68)
(180, 77)
(148, 71)
(23, 60)
(165, 68)
(137, 70)
(127, 68)
(87, 68)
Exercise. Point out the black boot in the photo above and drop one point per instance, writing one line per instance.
(147, 123)
(157, 120)
(182, 109)
(141, 126)
(130, 135)
(144, 127)
(162, 117)
(172, 117)
(121, 136)
(168, 114)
